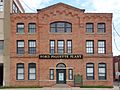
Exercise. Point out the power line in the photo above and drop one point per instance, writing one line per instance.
(115, 30)
(28, 6)
(115, 41)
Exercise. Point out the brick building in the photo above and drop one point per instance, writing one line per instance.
(14, 6)
(59, 43)
(116, 67)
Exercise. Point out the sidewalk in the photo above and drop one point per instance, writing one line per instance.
(74, 88)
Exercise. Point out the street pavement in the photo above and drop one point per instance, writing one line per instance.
(73, 88)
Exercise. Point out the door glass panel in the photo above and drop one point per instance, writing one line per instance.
(61, 76)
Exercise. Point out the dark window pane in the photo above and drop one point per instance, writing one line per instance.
(20, 72)
(20, 47)
(32, 47)
(90, 71)
(32, 71)
(89, 27)
(61, 47)
(20, 28)
(32, 28)
(52, 46)
(102, 71)
(61, 27)
(101, 27)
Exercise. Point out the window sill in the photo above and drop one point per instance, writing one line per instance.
(32, 33)
(89, 33)
(20, 33)
(20, 54)
(20, 80)
(103, 80)
(60, 33)
(101, 33)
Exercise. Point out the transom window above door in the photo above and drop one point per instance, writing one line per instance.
(61, 27)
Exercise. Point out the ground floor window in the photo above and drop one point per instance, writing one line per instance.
(90, 71)
(32, 71)
(20, 71)
(51, 74)
(102, 71)
(70, 73)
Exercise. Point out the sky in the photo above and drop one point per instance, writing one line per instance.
(102, 6)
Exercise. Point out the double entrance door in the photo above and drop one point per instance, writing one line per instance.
(61, 76)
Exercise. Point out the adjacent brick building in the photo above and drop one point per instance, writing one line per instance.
(116, 67)
(58, 42)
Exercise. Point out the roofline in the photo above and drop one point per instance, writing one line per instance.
(83, 10)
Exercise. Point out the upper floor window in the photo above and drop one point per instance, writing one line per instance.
(20, 27)
(52, 46)
(31, 27)
(102, 46)
(101, 27)
(69, 46)
(60, 27)
(1, 5)
(89, 46)
(20, 46)
(89, 27)
(61, 47)
(32, 46)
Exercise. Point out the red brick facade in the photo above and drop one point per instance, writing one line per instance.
(78, 18)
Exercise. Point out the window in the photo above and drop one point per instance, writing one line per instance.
(101, 27)
(51, 74)
(32, 71)
(102, 71)
(61, 27)
(90, 71)
(89, 46)
(60, 47)
(32, 47)
(70, 73)
(1, 5)
(20, 27)
(32, 28)
(1, 46)
(101, 46)
(69, 46)
(20, 46)
(52, 46)
(89, 27)
(20, 71)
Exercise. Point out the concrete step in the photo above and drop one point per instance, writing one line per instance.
(61, 86)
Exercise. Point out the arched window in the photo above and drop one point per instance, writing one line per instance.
(20, 71)
(102, 71)
(32, 71)
(61, 27)
(90, 71)
(60, 65)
